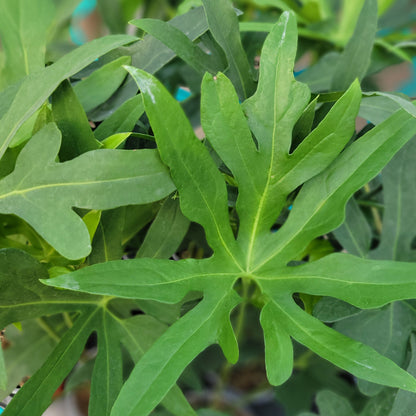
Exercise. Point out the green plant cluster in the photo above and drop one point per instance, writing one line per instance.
(273, 236)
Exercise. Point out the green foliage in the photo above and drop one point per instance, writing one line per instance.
(265, 176)
(244, 225)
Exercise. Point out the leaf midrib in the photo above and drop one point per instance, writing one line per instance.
(68, 184)
(318, 208)
(269, 173)
(203, 322)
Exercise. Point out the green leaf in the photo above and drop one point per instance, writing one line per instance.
(102, 83)
(223, 24)
(325, 204)
(23, 31)
(107, 242)
(405, 402)
(193, 24)
(319, 76)
(37, 87)
(166, 232)
(184, 340)
(274, 109)
(176, 140)
(356, 358)
(358, 49)
(176, 40)
(376, 109)
(69, 116)
(138, 334)
(278, 347)
(107, 374)
(122, 120)
(399, 225)
(151, 55)
(114, 141)
(386, 330)
(369, 281)
(101, 179)
(277, 90)
(57, 366)
(354, 233)
(112, 13)
(331, 404)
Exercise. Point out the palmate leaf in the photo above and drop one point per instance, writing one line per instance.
(43, 192)
(22, 296)
(265, 176)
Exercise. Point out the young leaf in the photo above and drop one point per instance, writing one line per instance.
(69, 116)
(43, 192)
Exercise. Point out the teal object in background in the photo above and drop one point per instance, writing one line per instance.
(85, 8)
(410, 87)
(182, 94)
(1, 410)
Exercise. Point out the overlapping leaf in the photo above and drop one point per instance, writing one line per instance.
(388, 329)
(22, 296)
(266, 173)
(22, 99)
(43, 192)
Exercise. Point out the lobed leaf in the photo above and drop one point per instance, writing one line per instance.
(203, 195)
(352, 356)
(43, 192)
(319, 207)
(362, 283)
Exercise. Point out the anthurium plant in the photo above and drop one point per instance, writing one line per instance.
(267, 196)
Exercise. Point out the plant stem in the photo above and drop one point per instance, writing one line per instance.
(376, 215)
(48, 329)
(68, 320)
